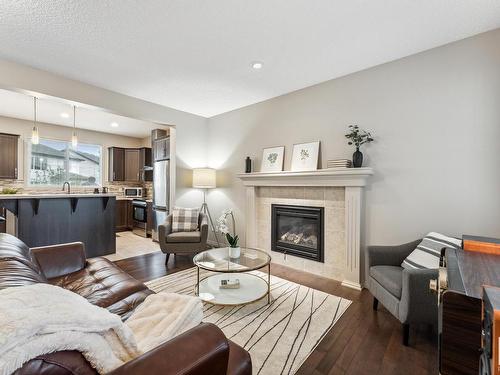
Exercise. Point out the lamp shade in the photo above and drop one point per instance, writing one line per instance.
(204, 178)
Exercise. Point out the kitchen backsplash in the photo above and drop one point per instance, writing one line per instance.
(113, 187)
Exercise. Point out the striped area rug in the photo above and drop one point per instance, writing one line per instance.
(279, 335)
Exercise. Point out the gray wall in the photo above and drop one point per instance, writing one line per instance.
(436, 120)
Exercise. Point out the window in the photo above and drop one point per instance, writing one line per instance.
(53, 162)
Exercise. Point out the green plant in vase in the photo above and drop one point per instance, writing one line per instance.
(232, 239)
(358, 137)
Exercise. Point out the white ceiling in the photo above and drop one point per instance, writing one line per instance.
(17, 105)
(195, 55)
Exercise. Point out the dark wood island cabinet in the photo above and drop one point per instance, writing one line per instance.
(60, 218)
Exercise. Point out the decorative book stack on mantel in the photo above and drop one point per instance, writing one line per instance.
(339, 163)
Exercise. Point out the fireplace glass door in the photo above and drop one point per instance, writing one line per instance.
(298, 231)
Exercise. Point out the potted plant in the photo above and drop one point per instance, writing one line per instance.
(9, 191)
(358, 137)
(232, 239)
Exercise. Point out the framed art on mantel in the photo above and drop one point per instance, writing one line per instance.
(305, 156)
(272, 159)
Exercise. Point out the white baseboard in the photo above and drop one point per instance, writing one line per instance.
(352, 285)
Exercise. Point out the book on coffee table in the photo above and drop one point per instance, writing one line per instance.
(229, 284)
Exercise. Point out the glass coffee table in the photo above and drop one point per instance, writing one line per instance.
(252, 287)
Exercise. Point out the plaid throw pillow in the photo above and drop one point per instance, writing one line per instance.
(185, 219)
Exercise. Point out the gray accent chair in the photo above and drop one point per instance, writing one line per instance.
(183, 242)
(405, 293)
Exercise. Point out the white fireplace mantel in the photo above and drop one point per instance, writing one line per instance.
(320, 177)
(353, 179)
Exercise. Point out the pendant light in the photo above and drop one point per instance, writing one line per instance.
(35, 137)
(74, 138)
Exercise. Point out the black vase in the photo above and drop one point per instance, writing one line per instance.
(357, 158)
(248, 165)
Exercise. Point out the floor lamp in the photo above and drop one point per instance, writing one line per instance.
(205, 178)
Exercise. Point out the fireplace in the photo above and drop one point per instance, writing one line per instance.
(298, 231)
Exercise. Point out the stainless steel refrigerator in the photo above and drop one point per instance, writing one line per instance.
(161, 178)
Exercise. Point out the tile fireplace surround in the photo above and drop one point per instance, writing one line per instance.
(339, 191)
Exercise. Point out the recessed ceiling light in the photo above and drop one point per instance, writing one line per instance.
(257, 65)
(114, 124)
(64, 115)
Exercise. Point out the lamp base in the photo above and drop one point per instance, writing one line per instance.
(206, 211)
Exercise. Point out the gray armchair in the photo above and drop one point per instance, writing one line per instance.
(183, 242)
(405, 293)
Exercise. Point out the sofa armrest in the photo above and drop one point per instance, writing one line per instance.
(165, 229)
(60, 260)
(418, 304)
(201, 350)
(58, 363)
(389, 255)
(204, 227)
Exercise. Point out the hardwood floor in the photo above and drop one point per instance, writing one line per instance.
(362, 342)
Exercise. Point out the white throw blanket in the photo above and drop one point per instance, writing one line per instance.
(40, 319)
(163, 316)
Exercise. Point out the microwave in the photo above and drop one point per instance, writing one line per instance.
(133, 192)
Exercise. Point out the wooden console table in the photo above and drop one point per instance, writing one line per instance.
(460, 309)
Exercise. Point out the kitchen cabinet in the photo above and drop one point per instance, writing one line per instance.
(162, 149)
(132, 168)
(116, 164)
(130, 215)
(127, 164)
(8, 156)
(149, 223)
(123, 215)
(146, 156)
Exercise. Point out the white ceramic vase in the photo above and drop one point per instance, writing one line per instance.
(234, 252)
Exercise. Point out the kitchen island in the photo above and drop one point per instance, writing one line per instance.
(50, 219)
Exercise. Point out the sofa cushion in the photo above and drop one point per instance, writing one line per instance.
(104, 284)
(185, 219)
(18, 267)
(428, 252)
(14, 272)
(13, 248)
(183, 237)
(390, 277)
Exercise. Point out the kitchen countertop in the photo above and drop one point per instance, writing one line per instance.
(122, 198)
(56, 195)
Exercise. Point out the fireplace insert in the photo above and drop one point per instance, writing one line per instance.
(298, 231)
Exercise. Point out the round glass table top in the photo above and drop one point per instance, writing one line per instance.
(221, 260)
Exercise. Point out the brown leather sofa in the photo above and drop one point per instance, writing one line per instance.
(201, 350)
